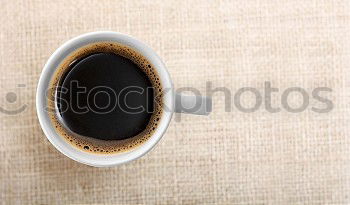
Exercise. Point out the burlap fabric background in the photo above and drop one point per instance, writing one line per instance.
(225, 158)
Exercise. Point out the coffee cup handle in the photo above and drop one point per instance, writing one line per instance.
(198, 105)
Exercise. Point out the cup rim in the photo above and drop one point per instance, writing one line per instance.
(102, 160)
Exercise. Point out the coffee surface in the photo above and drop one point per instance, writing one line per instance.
(105, 96)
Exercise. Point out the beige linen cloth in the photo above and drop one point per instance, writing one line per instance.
(225, 158)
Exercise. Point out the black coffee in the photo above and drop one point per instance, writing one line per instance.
(94, 89)
(108, 98)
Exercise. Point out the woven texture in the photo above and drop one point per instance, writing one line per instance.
(225, 158)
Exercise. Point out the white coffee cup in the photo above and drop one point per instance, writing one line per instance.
(172, 102)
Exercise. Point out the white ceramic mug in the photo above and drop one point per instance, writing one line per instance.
(172, 101)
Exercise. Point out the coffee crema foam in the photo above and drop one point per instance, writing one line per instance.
(98, 146)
